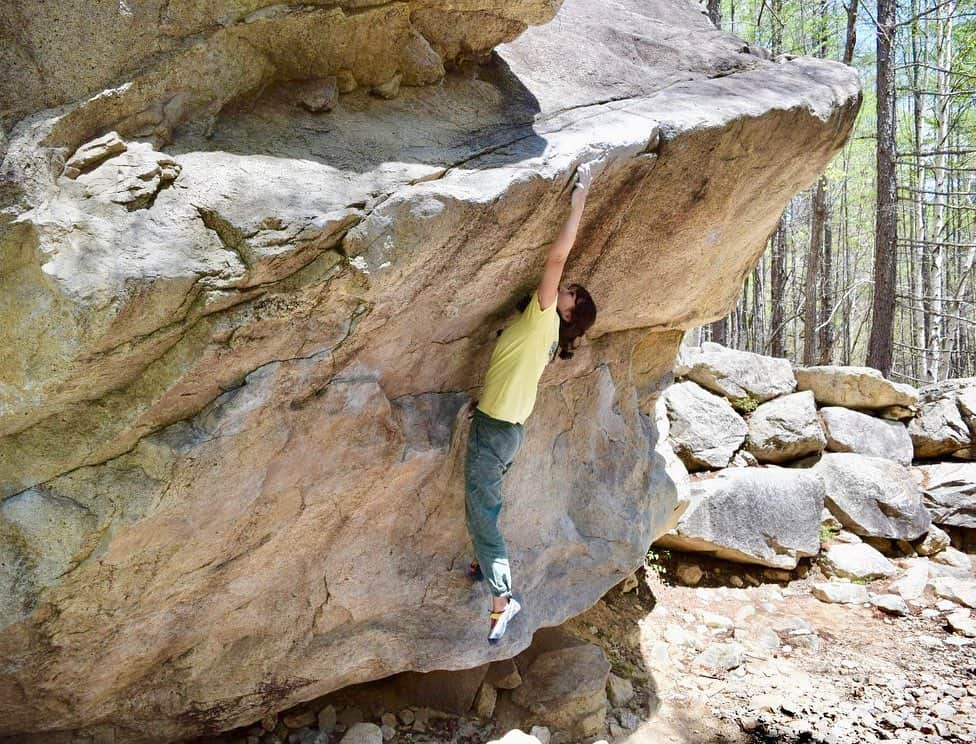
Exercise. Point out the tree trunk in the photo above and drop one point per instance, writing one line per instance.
(940, 338)
(777, 292)
(851, 32)
(759, 307)
(715, 12)
(922, 327)
(818, 214)
(720, 331)
(881, 340)
(825, 342)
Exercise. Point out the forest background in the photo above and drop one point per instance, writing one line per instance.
(875, 263)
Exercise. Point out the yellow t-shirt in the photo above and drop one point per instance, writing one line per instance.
(520, 356)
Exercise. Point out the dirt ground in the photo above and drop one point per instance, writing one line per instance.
(854, 674)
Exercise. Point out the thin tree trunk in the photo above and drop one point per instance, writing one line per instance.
(921, 325)
(848, 301)
(759, 307)
(940, 338)
(881, 341)
(818, 213)
(825, 341)
(851, 32)
(777, 292)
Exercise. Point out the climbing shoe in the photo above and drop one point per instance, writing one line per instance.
(473, 572)
(500, 620)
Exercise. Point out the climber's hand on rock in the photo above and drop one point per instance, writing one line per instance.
(584, 179)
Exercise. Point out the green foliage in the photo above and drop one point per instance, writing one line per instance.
(827, 533)
(656, 560)
(748, 404)
(815, 29)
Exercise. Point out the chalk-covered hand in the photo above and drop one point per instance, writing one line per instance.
(584, 179)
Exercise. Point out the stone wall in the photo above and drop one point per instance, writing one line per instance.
(777, 453)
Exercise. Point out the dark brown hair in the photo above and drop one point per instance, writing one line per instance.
(582, 317)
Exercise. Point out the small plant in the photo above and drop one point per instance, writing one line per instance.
(827, 533)
(656, 560)
(747, 404)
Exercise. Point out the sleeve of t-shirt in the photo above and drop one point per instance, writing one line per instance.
(534, 312)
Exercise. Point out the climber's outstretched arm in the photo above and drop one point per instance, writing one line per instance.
(559, 251)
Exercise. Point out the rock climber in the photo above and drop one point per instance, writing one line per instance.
(555, 317)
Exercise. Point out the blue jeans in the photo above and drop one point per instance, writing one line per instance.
(492, 445)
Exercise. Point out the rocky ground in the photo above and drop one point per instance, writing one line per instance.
(804, 670)
(761, 662)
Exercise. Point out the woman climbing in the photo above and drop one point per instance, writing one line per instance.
(553, 319)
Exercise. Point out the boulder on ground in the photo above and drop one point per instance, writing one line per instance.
(949, 492)
(768, 516)
(839, 592)
(853, 431)
(563, 683)
(959, 590)
(860, 562)
(941, 427)
(954, 558)
(873, 496)
(786, 429)
(911, 584)
(363, 733)
(705, 431)
(890, 603)
(737, 374)
(854, 387)
(935, 540)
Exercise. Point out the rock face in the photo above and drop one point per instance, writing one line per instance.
(949, 492)
(873, 496)
(944, 422)
(854, 387)
(769, 516)
(704, 431)
(852, 431)
(786, 429)
(237, 352)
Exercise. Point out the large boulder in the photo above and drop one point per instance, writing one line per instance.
(705, 431)
(853, 431)
(944, 424)
(873, 496)
(737, 374)
(854, 387)
(785, 429)
(768, 516)
(237, 396)
(949, 492)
